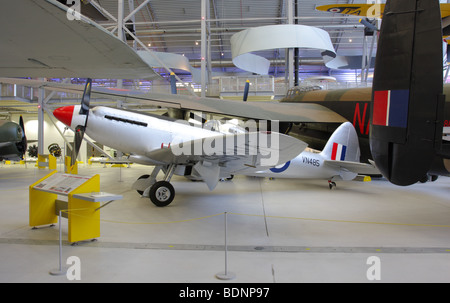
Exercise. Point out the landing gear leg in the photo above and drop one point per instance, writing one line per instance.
(162, 193)
(144, 182)
(331, 184)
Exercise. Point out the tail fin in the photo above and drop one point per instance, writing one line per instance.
(343, 144)
(407, 106)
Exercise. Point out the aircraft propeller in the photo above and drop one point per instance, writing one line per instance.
(246, 90)
(80, 129)
(22, 145)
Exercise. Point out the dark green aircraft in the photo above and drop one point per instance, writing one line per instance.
(407, 135)
(13, 142)
(352, 103)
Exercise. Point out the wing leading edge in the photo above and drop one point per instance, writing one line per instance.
(41, 41)
(270, 111)
(225, 155)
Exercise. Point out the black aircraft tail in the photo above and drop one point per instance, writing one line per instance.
(407, 99)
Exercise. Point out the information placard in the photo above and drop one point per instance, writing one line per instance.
(61, 183)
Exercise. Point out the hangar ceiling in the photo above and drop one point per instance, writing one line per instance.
(174, 26)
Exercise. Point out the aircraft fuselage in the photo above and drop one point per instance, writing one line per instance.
(131, 132)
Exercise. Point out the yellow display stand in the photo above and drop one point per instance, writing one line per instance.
(82, 212)
(70, 169)
(45, 161)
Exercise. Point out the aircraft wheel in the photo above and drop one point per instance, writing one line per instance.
(162, 193)
(332, 185)
(227, 178)
(434, 178)
(140, 192)
(424, 179)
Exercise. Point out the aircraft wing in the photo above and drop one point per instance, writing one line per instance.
(368, 10)
(232, 154)
(283, 112)
(354, 167)
(39, 40)
(362, 10)
(376, 11)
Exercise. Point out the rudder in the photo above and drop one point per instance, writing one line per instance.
(407, 106)
(343, 144)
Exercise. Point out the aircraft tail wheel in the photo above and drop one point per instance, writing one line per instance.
(162, 193)
(332, 184)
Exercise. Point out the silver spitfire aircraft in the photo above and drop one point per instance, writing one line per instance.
(339, 160)
(176, 146)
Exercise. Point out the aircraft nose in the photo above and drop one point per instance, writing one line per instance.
(64, 114)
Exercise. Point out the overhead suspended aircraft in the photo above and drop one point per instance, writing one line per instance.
(13, 141)
(175, 146)
(369, 9)
(377, 11)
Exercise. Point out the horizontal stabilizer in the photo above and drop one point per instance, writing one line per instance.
(355, 167)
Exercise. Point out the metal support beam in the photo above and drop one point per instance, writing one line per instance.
(136, 10)
(203, 46)
(208, 46)
(42, 102)
(41, 97)
(102, 10)
(120, 16)
(120, 35)
(290, 51)
(52, 119)
(367, 55)
(133, 20)
(296, 50)
(97, 148)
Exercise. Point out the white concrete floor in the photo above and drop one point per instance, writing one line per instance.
(278, 231)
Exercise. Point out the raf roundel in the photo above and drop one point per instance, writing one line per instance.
(280, 169)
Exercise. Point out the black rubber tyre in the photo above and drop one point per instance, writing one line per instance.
(142, 177)
(162, 193)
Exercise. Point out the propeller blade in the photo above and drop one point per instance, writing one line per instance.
(23, 143)
(22, 124)
(84, 110)
(79, 134)
(246, 89)
(196, 117)
(79, 130)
